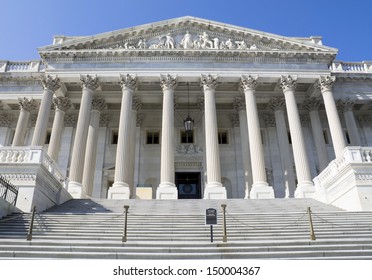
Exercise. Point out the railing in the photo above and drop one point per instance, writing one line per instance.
(29, 155)
(8, 191)
(356, 67)
(21, 66)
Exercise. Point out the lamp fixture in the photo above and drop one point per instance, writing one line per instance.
(188, 122)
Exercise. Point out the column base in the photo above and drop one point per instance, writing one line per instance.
(215, 190)
(261, 191)
(167, 190)
(119, 190)
(75, 189)
(305, 190)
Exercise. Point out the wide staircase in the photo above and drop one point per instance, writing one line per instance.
(259, 229)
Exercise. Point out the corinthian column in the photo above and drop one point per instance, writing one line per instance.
(98, 104)
(346, 106)
(260, 187)
(213, 188)
(325, 84)
(312, 106)
(61, 105)
(167, 189)
(278, 106)
(50, 85)
(89, 85)
(25, 105)
(121, 188)
(304, 185)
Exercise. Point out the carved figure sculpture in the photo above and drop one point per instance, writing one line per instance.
(186, 41)
(204, 41)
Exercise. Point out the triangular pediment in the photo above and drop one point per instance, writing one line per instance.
(187, 34)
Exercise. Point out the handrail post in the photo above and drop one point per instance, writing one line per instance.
(29, 234)
(124, 238)
(224, 236)
(312, 233)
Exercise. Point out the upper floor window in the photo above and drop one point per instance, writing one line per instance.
(187, 137)
(114, 137)
(152, 137)
(223, 137)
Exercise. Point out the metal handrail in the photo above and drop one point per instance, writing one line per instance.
(8, 190)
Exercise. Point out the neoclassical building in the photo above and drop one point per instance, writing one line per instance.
(187, 108)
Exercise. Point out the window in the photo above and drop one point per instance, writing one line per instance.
(347, 136)
(223, 137)
(187, 137)
(114, 137)
(289, 137)
(47, 138)
(325, 135)
(152, 137)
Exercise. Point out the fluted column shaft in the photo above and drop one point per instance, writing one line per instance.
(211, 135)
(61, 104)
(167, 133)
(325, 84)
(122, 166)
(254, 131)
(50, 85)
(278, 106)
(346, 106)
(89, 84)
(25, 105)
(298, 142)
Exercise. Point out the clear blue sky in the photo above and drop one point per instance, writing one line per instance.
(26, 25)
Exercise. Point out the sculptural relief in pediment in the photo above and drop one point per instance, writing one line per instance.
(185, 41)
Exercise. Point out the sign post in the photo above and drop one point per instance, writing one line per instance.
(211, 219)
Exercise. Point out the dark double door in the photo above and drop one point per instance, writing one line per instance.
(188, 185)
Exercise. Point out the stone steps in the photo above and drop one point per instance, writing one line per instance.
(91, 229)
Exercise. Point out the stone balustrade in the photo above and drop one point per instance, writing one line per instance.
(355, 67)
(21, 66)
(32, 155)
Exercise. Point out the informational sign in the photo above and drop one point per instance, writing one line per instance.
(211, 216)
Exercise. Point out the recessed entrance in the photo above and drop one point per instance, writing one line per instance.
(188, 185)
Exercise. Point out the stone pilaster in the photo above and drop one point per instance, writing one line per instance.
(304, 186)
(213, 188)
(278, 107)
(61, 105)
(89, 84)
(50, 85)
(5, 122)
(167, 188)
(312, 106)
(25, 106)
(121, 186)
(366, 123)
(346, 106)
(260, 187)
(326, 84)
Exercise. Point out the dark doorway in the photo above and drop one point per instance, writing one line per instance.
(188, 185)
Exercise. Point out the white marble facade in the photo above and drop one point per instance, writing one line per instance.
(270, 112)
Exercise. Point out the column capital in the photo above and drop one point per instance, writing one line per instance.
(277, 104)
(137, 103)
(27, 104)
(168, 81)
(89, 82)
(70, 120)
(326, 83)
(139, 120)
(305, 120)
(201, 103)
(269, 120)
(50, 83)
(6, 120)
(365, 120)
(104, 120)
(98, 103)
(234, 118)
(288, 83)
(128, 81)
(311, 104)
(239, 104)
(248, 82)
(208, 81)
(62, 103)
(345, 105)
